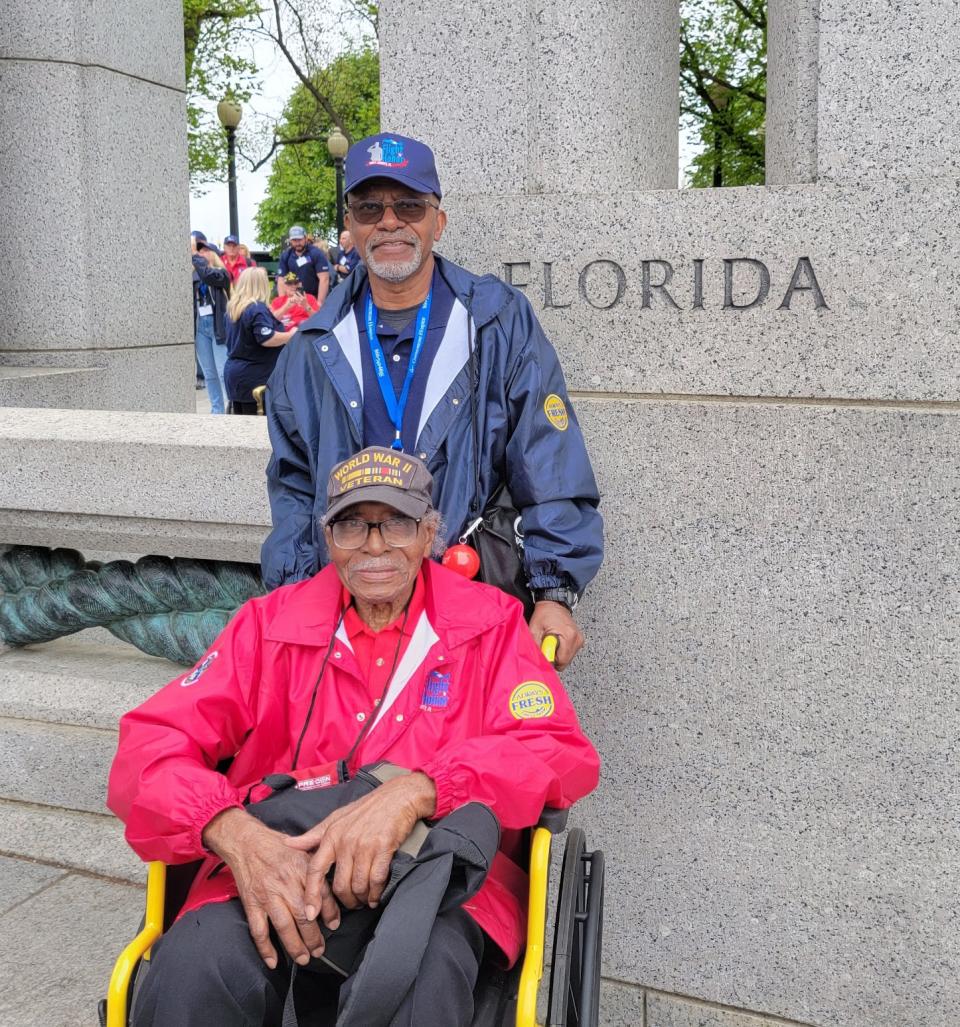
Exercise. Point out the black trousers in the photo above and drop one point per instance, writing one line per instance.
(205, 971)
(236, 406)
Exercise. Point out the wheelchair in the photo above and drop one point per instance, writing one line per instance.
(502, 998)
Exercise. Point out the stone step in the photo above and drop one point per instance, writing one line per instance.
(90, 842)
(60, 703)
(79, 680)
(55, 764)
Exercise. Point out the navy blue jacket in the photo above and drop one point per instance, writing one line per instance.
(217, 282)
(315, 418)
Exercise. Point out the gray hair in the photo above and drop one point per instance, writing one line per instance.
(439, 547)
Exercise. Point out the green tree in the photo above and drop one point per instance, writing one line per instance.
(723, 78)
(301, 189)
(212, 31)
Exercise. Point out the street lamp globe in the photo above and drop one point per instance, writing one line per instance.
(229, 112)
(337, 144)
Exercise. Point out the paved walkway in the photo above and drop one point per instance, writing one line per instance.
(60, 931)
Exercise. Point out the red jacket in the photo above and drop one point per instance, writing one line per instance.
(237, 265)
(475, 706)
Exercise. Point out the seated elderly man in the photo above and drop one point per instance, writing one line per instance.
(383, 655)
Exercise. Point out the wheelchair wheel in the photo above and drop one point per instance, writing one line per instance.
(577, 941)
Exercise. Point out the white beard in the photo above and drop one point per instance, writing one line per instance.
(394, 270)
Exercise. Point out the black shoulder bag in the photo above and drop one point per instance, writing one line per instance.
(497, 533)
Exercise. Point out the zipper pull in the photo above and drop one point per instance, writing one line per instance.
(470, 529)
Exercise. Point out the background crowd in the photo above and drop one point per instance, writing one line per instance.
(242, 319)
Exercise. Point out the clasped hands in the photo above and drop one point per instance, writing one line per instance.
(282, 880)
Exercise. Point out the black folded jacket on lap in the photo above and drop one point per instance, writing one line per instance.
(438, 868)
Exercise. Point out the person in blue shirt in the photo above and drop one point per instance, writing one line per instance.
(254, 340)
(347, 256)
(307, 262)
(416, 353)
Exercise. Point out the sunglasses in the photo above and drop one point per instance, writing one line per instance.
(409, 211)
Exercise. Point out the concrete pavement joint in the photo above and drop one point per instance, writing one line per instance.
(39, 891)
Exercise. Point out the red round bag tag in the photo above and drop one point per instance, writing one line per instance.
(463, 559)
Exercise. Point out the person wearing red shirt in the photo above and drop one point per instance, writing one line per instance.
(292, 305)
(382, 655)
(234, 259)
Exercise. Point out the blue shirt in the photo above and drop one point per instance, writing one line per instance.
(309, 266)
(249, 362)
(378, 429)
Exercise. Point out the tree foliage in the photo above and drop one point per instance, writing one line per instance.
(301, 189)
(723, 55)
(212, 33)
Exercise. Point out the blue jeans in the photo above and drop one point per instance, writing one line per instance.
(212, 357)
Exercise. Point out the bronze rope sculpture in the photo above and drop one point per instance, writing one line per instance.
(169, 607)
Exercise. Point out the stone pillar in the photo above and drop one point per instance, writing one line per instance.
(791, 91)
(862, 92)
(767, 382)
(531, 97)
(94, 288)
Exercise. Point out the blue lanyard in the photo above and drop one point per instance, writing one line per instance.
(395, 407)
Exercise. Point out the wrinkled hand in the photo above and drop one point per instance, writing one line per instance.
(271, 879)
(361, 839)
(555, 619)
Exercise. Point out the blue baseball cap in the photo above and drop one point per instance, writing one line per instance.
(198, 235)
(230, 238)
(399, 158)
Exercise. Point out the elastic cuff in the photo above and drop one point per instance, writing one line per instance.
(206, 813)
(449, 795)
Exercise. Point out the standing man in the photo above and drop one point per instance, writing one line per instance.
(307, 262)
(424, 356)
(347, 257)
(234, 259)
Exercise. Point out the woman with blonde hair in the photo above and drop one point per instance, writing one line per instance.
(211, 285)
(254, 338)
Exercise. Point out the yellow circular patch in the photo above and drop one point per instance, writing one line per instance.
(531, 700)
(556, 412)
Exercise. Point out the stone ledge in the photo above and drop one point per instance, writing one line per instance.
(176, 484)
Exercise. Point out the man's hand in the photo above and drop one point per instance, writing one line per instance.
(271, 879)
(551, 618)
(361, 840)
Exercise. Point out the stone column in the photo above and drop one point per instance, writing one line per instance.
(791, 91)
(862, 93)
(532, 96)
(95, 287)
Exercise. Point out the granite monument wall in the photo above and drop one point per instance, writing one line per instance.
(767, 379)
(95, 283)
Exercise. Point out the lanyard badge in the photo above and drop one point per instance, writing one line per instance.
(395, 407)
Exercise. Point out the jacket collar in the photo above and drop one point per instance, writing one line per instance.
(308, 612)
(484, 296)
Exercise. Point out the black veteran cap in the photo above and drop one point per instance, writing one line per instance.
(380, 475)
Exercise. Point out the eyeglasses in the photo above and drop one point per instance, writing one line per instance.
(398, 532)
(409, 210)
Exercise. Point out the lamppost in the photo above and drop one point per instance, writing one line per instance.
(230, 112)
(337, 145)
(720, 95)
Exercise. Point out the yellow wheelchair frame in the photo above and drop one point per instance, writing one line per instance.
(531, 973)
